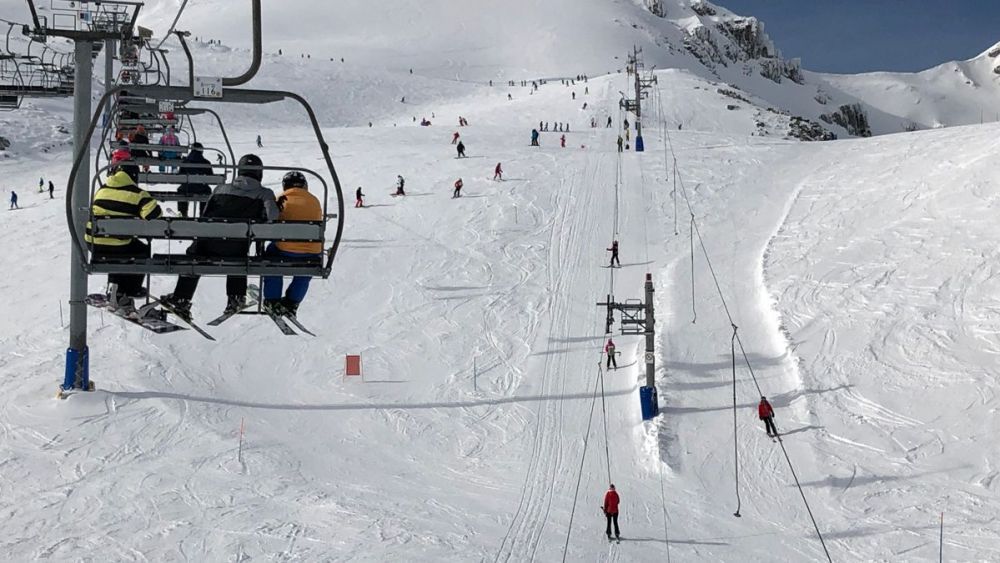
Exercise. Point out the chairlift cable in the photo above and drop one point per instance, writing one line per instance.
(172, 25)
(736, 337)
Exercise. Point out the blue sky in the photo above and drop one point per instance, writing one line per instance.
(849, 36)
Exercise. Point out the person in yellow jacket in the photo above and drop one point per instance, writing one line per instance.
(119, 196)
(296, 204)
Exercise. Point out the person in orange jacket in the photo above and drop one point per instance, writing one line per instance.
(296, 204)
(610, 508)
(458, 188)
(766, 413)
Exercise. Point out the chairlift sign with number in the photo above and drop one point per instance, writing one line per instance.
(207, 87)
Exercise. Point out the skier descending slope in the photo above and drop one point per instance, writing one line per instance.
(461, 149)
(454, 138)
(399, 186)
(458, 188)
(610, 507)
(498, 172)
(359, 196)
(13, 200)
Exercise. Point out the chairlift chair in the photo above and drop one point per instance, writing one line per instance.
(170, 230)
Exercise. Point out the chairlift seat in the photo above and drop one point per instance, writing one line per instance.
(183, 264)
(147, 123)
(175, 196)
(155, 161)
(165, 178)
(180, 149)
(182, 228)
(35, 91)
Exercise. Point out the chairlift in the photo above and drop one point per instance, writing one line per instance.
(170, 230)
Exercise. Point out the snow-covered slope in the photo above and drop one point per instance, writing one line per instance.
(858, 272)
(480, 337)
(524, 39)
(954, 93)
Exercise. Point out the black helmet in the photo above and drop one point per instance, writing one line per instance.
(294, 179)
(245, 165)
(131, 169)
(197, 147)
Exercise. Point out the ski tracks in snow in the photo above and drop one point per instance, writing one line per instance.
(568, 272)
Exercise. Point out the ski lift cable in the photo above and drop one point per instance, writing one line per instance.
(583, 458)
(173, 24)
(737, 338)
(604, 413)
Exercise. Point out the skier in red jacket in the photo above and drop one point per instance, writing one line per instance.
(609, 349)
(610, 507)
(454, 138)
(766, 413)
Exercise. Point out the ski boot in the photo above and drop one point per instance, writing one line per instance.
(235, 304)
(274, 307)
(291, 307)
(177, 306)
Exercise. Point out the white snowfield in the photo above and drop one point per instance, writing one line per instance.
(859, 274)
(954, 93)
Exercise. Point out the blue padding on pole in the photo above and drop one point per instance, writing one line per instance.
(639, 145)
(75, 360)
(650, 405)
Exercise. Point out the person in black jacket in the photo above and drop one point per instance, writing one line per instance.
(141, 138)
(244, 198)
(194, 164)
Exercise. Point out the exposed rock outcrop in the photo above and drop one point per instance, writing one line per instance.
(738, 40)
(806, 130)
(703, 8)
(851, 117)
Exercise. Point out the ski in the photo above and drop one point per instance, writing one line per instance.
(142, 318)
(188, 322)
(279, 321)
(253, 293)
(298, 325)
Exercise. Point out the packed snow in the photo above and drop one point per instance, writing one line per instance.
(859, 274)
